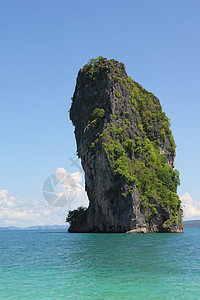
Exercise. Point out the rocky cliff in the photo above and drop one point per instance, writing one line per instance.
(127, 152)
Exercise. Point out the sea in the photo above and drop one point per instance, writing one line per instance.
(54, 264)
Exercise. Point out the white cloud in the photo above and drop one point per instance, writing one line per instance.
(63, 189)
(18, 211)
(191, 208)
(3, 194)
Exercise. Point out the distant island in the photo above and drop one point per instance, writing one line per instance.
(192, 224)
(127, 151)
(187, 224)
(42, 227)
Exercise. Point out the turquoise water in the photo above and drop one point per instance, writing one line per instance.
(53, 265)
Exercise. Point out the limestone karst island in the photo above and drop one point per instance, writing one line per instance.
(127, 151)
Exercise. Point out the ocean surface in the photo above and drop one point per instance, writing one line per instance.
(58, 265)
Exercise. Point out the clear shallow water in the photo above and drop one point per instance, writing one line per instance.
(53, 265)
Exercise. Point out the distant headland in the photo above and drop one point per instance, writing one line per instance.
(39, 227)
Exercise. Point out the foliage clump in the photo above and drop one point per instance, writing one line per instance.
(96, 116)
(75, 216)
(93, 66)
(98, 113)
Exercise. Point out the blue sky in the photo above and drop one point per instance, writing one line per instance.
(45, 43)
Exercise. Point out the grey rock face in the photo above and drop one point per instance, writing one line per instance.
(115, 206)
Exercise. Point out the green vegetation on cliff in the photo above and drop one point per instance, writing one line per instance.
(146, 159)
(76, 215)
